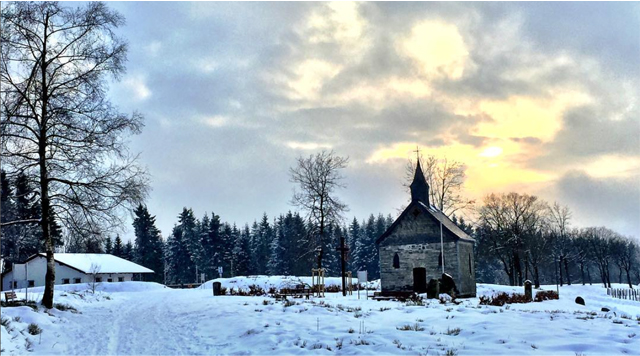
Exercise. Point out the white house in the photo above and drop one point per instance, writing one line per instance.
(71, 268)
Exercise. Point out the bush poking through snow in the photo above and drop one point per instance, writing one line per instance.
(451, 352)
(289, 303)
(408, 327)
(65, 307)
(339, 343)
(34, 329)
(454, 332)
(504, 298)
(546, 295)
(19, 303)
(5, 322)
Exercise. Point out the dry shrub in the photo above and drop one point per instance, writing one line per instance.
(504, 298)
(546, 295)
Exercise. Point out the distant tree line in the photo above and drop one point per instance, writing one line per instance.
(279, 246)
(518, 237)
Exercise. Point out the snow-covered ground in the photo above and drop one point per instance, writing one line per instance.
(147, 318)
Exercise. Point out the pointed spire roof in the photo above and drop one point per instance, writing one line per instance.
(419, 187)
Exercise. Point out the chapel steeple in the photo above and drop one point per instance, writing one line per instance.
(419, 187)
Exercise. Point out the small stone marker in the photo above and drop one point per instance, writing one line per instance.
(579, 300)
(528, 290)
(433, 289)
(217, 286)
(447, 284)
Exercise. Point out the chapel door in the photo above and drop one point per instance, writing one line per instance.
(419, 280)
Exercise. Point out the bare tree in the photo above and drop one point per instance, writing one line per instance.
(582, 252)
(624, 252)
(513, 219)
(57, 124)
(600, 243)
(446, 180)
(559, 217)
(318, 177)
(94, 271)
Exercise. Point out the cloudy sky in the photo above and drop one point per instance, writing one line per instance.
(538, 98)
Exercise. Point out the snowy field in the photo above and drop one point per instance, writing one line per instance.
(147, 318)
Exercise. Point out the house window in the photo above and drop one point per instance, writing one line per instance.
(98, 279)
(109, 280)
(77, 280)
(32, 283)
(65, 281)
(15, 284)
(396, 261)
(470, 270)
(120, 279)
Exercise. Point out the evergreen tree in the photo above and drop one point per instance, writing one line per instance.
(180, 248)
(190, 228)
(358, 252)
(7, 213)
(277, 261)
(118, 248)
(370, 252)
(92, 244)
(128, 251)
(332, 262)
(26, 238)
(148, 244)
(381, 227)
(211, 241)
(261, 236)
(242, 253)
(225, 250)
(108, 245)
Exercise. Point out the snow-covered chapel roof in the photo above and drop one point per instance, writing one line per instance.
(108, 263)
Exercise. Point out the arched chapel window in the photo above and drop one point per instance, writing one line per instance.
(396, 261)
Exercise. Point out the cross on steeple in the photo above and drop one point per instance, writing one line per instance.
(417, 151)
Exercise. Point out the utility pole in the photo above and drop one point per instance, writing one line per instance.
(343, 254)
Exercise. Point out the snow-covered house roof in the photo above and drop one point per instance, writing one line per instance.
(108, 263)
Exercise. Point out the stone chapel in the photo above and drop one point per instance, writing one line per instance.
(410, 250)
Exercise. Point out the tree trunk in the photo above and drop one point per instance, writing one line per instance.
(536, 276)
(561, 280)
(508, 270)
(603, 275)
(608, 275)
(582, 272)
(629, 279)
(589, 276)
(50, 276)
(518, 266)
(566, 269)
(620, 275)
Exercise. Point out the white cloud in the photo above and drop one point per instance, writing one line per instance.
(307, 145)
(137, 87)
(217, 121)
(153, 48)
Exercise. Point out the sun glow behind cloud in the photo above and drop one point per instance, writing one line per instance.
(439, 49)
